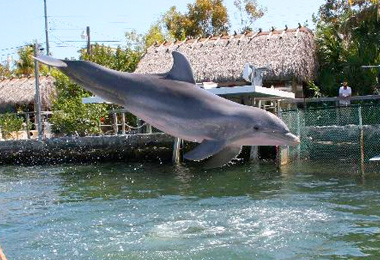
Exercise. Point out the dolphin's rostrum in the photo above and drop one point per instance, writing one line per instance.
(172, 103)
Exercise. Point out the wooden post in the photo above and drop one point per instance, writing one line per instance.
(88, 40)
(37, 98)
(176, 150)
(298, 134)
(337, 112)
(139, 124)
(115, 127)
(27, 125)
(254, 154)
(362, 168)
(123, 123)
(148, 129)
(282, 151)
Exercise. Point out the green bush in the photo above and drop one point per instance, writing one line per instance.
(71, 116)
(10, 123)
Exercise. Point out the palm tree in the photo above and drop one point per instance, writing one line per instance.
(25, 64)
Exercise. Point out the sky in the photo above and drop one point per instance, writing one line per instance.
(23, 21)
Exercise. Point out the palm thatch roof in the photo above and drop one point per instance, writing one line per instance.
(21, 91)
(290, 54)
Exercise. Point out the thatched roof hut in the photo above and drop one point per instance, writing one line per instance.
(21, 91)
(290, 54)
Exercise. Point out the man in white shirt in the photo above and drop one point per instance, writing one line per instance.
(345, 94)
(344, 101)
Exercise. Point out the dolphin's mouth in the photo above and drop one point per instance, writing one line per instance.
(288, 138)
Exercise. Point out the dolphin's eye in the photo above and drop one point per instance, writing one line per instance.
(256, 128)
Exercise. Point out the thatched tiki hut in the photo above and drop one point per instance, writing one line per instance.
(289, 53)
(19, 93)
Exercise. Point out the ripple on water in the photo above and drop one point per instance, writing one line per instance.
(69, 216)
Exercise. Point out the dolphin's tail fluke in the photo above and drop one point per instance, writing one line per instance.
(51, 61)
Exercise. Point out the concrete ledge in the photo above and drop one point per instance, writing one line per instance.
(137, 147)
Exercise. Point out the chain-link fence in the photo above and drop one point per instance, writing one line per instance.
(346, 135)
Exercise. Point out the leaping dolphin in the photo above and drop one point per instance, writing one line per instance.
(172, 103)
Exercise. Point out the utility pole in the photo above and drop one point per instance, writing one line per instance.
(88, 40)
(46, 30)
(37, 97)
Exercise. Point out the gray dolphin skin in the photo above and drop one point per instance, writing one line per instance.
(174, 104)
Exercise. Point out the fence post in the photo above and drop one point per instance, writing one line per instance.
(176, 150)
(123, 123)
(27, 119)
(115, 127)
(362, 169)
(254, 154)
(148, 129)
(298, 134)
(282, 151)
(139, 126)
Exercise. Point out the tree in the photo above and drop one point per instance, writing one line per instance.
(155, 34)
(249, 11)
(5, 71)
(347, 38)
(203, 18)
(114, 58)
(25, 64)
(71, 116)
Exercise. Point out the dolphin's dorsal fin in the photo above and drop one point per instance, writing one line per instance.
(181, 69)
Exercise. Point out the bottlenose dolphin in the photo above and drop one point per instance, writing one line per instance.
(172, 103)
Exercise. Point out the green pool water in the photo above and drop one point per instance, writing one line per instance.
(152, 211)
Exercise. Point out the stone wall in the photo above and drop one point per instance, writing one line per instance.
(139, 147)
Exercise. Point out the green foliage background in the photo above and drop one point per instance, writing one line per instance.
(71, 116)
(9, 123)
(347, 37)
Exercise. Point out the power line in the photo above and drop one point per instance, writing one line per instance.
(14, 48)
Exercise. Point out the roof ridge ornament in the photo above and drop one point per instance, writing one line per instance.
(298, 30)
(180, 44)
(218, 39)
(196, 40)
(207, 39)
(283, 32)
(255, 34)
(162, 44)
(242, 36)
(270, 33)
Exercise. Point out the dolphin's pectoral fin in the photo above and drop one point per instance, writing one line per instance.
(181, 69)
(51, 61)
(204, 150)
(223, 157)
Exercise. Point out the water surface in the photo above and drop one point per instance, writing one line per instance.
(151, 211)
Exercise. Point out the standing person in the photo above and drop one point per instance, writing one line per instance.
(345, 93)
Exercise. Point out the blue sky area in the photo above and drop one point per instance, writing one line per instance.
(23, 20)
